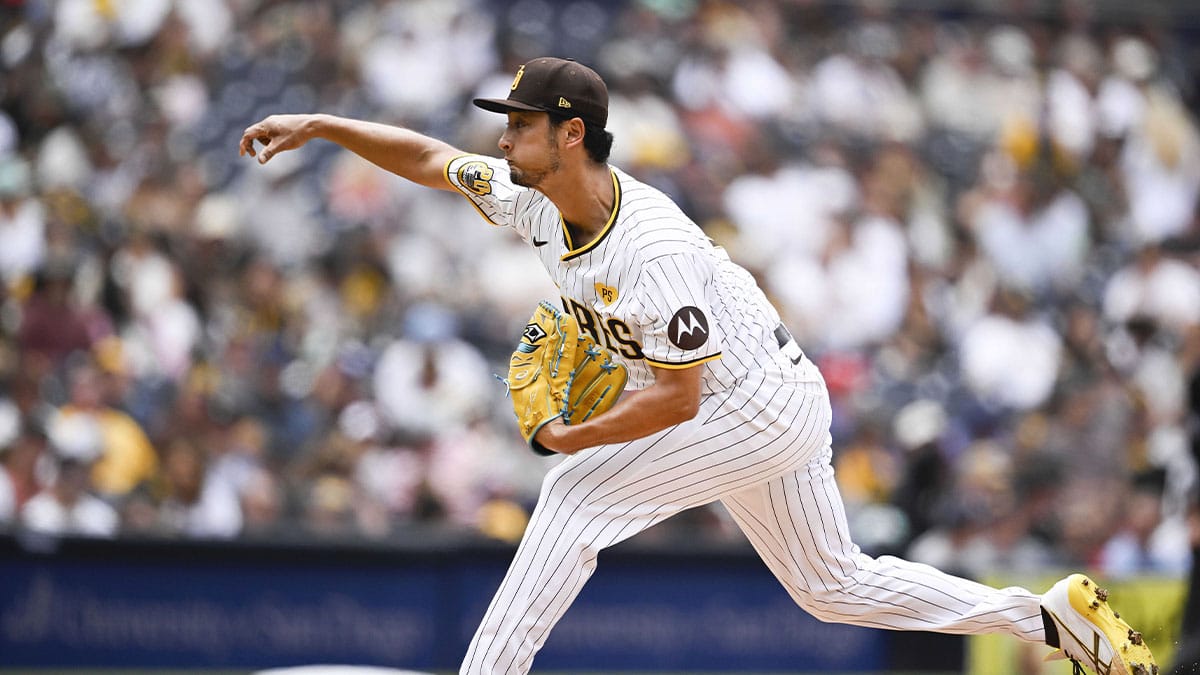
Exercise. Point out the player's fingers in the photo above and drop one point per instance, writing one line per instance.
(255, 132)
(246, 145)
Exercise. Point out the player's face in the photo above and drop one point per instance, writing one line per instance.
(531, 148)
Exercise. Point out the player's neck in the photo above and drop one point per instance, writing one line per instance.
(584, 197)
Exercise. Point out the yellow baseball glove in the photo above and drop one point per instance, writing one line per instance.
(557, 371)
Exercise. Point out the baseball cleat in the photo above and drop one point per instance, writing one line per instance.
(1090, 633)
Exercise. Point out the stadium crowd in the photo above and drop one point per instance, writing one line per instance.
(983, 224)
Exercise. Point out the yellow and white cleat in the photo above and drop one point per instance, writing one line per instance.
(1090, 633)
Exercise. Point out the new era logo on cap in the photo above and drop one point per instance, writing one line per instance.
(555, 85)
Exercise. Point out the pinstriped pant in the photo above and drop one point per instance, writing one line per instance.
(763, 450)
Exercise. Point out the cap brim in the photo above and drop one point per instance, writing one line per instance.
(504, 105)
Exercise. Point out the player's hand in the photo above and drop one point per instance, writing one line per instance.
(276, 134)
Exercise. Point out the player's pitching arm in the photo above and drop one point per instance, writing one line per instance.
(404, 152)
(673, 398)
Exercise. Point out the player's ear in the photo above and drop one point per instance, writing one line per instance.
(575, 131)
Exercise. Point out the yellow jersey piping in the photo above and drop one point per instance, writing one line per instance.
(685, 364)
(612, 218)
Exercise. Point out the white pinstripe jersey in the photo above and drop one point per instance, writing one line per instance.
(651, 286)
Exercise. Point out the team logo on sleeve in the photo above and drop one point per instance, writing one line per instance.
(476, 177)
(688, 329)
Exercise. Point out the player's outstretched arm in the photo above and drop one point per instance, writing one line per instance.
(404, 152)
(673, 398)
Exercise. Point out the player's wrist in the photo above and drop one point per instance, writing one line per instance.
(556, 436)
(317, 125)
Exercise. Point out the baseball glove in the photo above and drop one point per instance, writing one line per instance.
(557, 371)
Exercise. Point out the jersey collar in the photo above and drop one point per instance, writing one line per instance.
(573, 252)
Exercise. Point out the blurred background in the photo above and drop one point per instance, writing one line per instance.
(247, 413)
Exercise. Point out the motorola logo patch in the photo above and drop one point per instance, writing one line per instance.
(688, 329)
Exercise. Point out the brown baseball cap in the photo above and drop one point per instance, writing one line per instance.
(556, 86)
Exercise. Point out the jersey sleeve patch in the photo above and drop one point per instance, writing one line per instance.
(485, 184)
(476, 176)
(688, 328)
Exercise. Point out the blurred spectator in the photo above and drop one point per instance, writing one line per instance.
(946, 544)
(22, 224)
(821, 192)
(734, 69)
(193, 504)
(1145, 543)
(984, 526)
(395, 473)
(11, 497)
(1121, 98)
(66, 506)
(867, 473)
(1161, 169)
(433, 381)
(1036, 235)
(1010, 358)
(857, 90)
(281, 215)
(165, 327)
(1092, 424)
(328, 504)
(1146, 355)
(263, 506)
(1070, 107)
(126, 458)
(416, 56)
(655, 140)
(855, 294)
(238, 454)
(926, 471)
(951, 85)
(866, 469)
(52, 325)
(1014, 90)
(1156, 286)
(332, 502)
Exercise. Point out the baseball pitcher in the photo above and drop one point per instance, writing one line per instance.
(722, 404)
